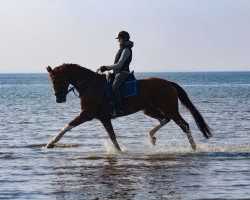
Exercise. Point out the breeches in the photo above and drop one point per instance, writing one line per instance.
(120, 78)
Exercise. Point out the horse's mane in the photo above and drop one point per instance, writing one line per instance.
(75, 67)
(70, 67)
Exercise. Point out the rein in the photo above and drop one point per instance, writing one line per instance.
(79, 84)
(73, 90)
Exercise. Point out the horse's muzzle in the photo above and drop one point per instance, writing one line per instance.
(61, 100)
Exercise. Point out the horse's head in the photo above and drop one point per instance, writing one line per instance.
(60, 83)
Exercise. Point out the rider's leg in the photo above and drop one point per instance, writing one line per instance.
(119, 80)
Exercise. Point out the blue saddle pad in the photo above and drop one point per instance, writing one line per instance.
(129, 89)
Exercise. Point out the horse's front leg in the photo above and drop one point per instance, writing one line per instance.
(109, 128)
(51, 143)
(83, 117)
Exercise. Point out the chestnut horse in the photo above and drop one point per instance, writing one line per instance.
(157, 98)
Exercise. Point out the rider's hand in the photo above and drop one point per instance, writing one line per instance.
(103, 68)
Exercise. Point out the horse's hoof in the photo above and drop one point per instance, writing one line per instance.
(194, 147)
(152, 140)
(49, 145)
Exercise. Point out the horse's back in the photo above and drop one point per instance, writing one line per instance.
(157, 88)
(156, 84)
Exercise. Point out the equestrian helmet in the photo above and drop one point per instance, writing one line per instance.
(123, 34)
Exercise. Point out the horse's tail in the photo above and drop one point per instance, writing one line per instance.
(202, 125)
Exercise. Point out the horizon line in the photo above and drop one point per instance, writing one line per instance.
(140, 72)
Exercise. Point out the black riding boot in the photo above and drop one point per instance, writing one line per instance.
(118, 104)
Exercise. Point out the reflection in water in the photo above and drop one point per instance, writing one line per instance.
(123, 178)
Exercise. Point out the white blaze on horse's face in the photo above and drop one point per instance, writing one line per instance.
(60, 84)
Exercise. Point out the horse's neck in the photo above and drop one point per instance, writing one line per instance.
(80, 76)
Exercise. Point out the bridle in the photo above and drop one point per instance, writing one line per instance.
(68, 91)
(78, 86)
(73, 90)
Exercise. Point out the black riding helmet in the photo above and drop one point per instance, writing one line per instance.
(123, 34)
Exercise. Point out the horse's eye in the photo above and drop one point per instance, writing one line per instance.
(58, 80)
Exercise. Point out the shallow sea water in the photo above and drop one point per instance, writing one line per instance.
(84, 164)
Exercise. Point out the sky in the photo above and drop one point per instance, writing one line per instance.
(168, 35)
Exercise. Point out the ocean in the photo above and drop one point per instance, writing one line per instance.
(84, 164)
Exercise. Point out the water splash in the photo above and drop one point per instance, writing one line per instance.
(182, 151)
(57, 145)
(110, 149)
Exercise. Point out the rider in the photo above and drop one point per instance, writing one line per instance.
(120, 68)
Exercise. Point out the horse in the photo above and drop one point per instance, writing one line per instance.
(157, 98)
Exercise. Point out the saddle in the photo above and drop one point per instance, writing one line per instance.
(128, 89)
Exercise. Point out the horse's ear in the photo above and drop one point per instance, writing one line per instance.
(50, 70)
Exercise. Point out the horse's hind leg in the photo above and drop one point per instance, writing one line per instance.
(185, 127)
(154, 113)
(152, 132)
